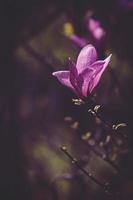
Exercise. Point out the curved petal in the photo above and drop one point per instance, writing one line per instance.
(73, 72)
(98, 73)
(83, 80)
(88, 76)
(87, 56)
(107, 60)
(64, 78)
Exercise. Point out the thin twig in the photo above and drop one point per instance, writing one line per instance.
(104, 186)
(106, 123)
(106, 159)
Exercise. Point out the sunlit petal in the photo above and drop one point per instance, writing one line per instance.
(64, 78)
(98, 73)
(86, 57)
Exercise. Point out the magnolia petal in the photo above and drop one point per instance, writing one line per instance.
(72, 67)
(96, 66)
(107, 60)
(97, 75)
(64, 78)
(88, 75)
(73, 73)
(84, 80)
(87, 56)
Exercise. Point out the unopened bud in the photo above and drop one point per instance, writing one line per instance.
(96, 108)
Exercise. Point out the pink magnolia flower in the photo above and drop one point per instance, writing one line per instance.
(95, 28)
(83, 76)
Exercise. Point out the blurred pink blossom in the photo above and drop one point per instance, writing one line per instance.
(95, 28)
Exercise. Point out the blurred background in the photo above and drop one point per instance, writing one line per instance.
(37, 115)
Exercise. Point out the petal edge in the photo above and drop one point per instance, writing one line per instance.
(87, 56)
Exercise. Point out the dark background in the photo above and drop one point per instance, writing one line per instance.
(33, 104)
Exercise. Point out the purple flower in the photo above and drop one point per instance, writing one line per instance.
(95, 28)
(83, 76)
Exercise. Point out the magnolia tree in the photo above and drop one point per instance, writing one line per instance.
(82, 78)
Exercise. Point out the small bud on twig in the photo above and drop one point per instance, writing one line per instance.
(96, 108)
(78, 102)
(121, 125)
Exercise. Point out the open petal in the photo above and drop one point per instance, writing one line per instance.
(64, 78)
(87, 56)
(107, 60)
(89, 75)
(83, 80)
(72, 67)
(98, 73)
(73, 73)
